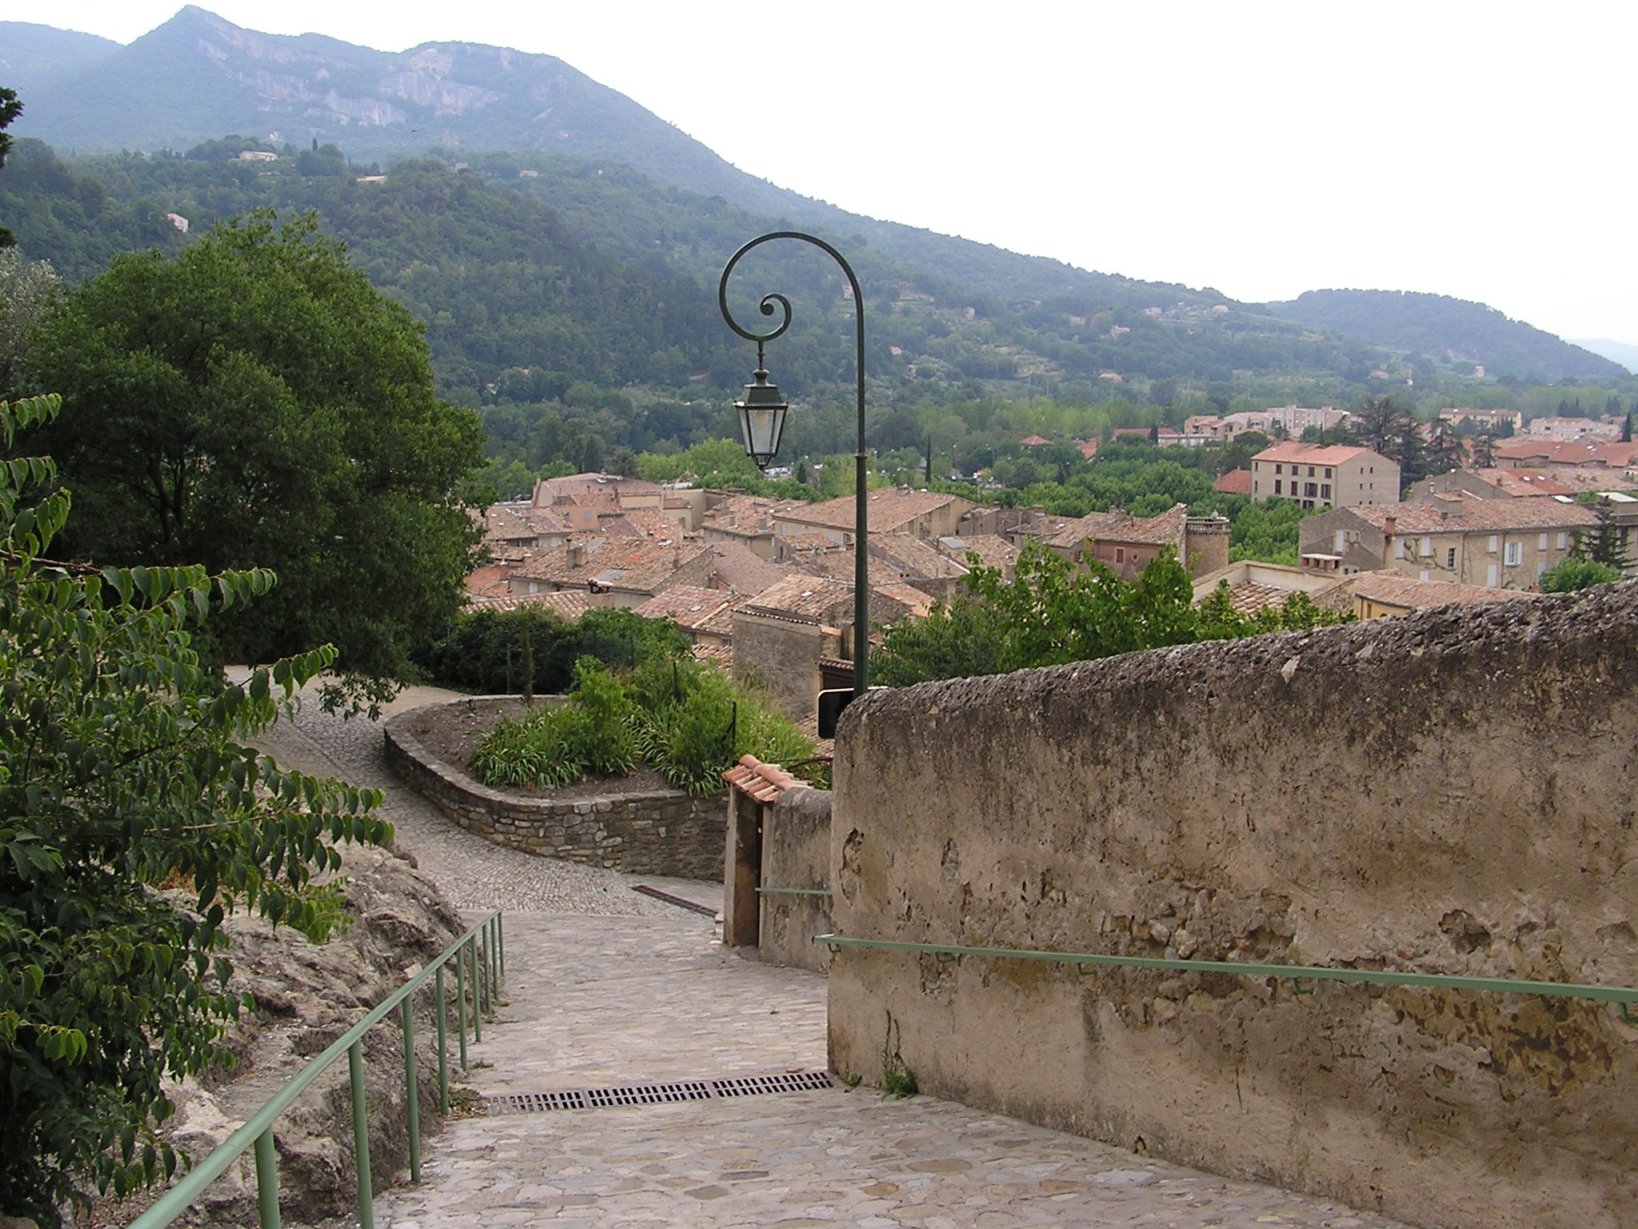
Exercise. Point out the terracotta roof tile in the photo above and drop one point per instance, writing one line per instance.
(1312, 454)
(762, 782)
(888, 510)
(1477, 515)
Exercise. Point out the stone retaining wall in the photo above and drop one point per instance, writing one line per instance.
(656, 832)
(796, 854)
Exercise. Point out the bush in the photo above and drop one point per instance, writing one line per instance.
(689, 721)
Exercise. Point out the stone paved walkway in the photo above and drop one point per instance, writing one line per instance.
(597, 1000)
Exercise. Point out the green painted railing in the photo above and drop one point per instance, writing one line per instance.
(479, 956)
(793, 891)
(1624, 996)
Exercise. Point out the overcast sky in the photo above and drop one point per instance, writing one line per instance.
(1483, 151)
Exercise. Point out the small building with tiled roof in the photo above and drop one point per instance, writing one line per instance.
(993, 551)
(1488, 484)
(1254, 586)
(694, 609)
(1324, 475)
(567, 605)
(1126, 544)
(1379, 595)
(1235, 482)
(923, 514)
(1496, 543)
(616, 571)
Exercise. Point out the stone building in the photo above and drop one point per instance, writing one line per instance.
(1324, 476)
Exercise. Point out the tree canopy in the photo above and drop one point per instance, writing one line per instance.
(254, 402)
(132, 819)
(1052, 612)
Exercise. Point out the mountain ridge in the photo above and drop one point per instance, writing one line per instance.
(210, 76)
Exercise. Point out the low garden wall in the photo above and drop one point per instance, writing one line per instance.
(652, 832)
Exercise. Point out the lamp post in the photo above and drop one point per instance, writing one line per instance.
(762, 419)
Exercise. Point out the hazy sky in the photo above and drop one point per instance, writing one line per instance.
(1477, 150)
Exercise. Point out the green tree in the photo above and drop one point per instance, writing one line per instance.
(132, 819)
(1052, 611)
(10, 109)
(27, 291)
(1574, 573)
(1606, 545)
(254, 402)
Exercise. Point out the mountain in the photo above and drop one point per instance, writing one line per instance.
(1615, 351)
(1448, 331)
(623, 181)
(31, 53)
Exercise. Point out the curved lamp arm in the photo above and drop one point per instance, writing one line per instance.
(768, 306)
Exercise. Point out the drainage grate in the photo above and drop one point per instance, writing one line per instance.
(655, 1094)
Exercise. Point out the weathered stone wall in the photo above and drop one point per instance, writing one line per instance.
(1451, 792)
(783, 655)
(660, 832)
(796, 854)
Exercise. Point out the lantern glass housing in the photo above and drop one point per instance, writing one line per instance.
(761, 419)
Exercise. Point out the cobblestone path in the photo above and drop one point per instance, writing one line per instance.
(606, 987)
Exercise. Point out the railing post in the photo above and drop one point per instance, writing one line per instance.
(443, 1042)
(460, 999)
(481, 955)
(500, 944)
(494, 962)
(267, 1181)
(412, 1087)
(477, 990)
(361, 1136)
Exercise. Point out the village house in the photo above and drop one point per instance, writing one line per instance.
(615, 571)
(922, 514)
(1324, 475)
(1496, 543)
(1484, 420)
(1488, 484)
(1126, 544)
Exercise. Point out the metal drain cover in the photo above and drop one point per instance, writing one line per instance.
(656, 1094)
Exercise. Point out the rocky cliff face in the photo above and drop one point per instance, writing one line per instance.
(306, 996)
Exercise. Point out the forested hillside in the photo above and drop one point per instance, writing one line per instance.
(1448, 332)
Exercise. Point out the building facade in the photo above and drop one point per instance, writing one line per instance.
(1324, 476)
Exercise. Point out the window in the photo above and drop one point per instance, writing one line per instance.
(1120, 554)
(1494, 543)
(1276, 486)
(1541, 542)
(1513, 553)
(1450, 558)
(1399, 548)
(1328, 473)
(1310, 471)
(1563, 540)
(1427, 547)
(1325, 489)
(1279, 469)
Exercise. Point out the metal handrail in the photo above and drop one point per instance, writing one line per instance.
(1624, 996)
(483, 948)
(793, 891)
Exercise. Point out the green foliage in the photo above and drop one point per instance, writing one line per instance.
(123, 773)
(1053, 612)
(898, 1080)
(10, 109)
(689, 721)
(28, 289)
(255, 403)
(1572, 574)
(485, 651)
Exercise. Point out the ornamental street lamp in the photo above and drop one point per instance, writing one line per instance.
(762, 419)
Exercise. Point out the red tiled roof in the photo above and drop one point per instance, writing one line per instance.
(686, 605)
(1397, 589)
(1477, 515)
(762, 782)
(1235, 482)
(1118, 526)
(889, 510)
(1312, 454)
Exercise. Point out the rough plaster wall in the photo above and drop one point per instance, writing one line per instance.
(796, 854)
(1450, 792)
(781, 654)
